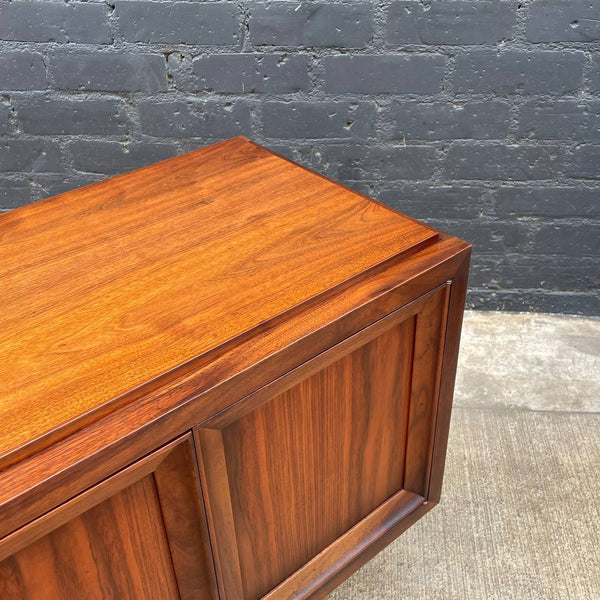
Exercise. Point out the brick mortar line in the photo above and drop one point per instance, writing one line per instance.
(317, 152)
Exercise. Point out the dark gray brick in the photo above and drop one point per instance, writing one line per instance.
(392, 73)
(560, 120)
(535, 271)
(52, 185)
(450, 22)
(111, 158)
(311, 120)
(195, 119)
(105, 71)
(4, 118)
(536, 72)
(282, 149)
(503, 162)
(487, 238)
(54, 22)
(431, 202)
(573, 241)
(482, 271)
(30, 156)
(535, 237)
(311, 24)
(416, 120)
(14, 194)
(179, 67)
(362, 187)
(22, 71)
(554, 202)
(244, 73)
(563, 21)
(200, 23)
(47, 116)
(358, 162)
(584, 162)
(535, 301)
(595, 73)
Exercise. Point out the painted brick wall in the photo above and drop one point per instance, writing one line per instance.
(479, 116)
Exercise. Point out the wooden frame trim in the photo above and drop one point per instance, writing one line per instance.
(416, 237)
(53, 519)
(310, 580)
(320, 361)
(451, 343)
(183, 513)
(69, 467)
(215, 481)
(430, 312)
(427, 363)
(330, 576)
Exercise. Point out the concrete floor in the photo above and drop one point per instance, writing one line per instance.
(520, 514)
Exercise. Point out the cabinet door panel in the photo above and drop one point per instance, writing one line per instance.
(137, 542)
(301, 467)
(116, 549)
(312, 462)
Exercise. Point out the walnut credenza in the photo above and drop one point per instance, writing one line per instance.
(222, 376)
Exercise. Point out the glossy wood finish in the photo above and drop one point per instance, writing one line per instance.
(307, 335)
(116, 549)
(295, 471)
(182, 511)
(156, 268)
(82, 502)
(426, 364)
(37, 484)
(326, 570)
(458, 293)
(139, 534)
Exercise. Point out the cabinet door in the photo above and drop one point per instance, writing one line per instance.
(138, 534)
(303, 475)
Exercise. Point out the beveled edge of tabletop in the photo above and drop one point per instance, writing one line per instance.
(69, 465)
(111, 404)
(163, 380)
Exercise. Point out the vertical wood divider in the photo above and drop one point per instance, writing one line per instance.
(215, 483)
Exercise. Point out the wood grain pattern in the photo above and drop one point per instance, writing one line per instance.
(107, 288)
(139, 534)
(41, 482)
(427, 363)
(324, 359)
(297, 464)
(117, 549)
(49, 521)
(458, 292)
(340, 558)
(298, 327)
(219, 510)
(182, 508)
(306, 466)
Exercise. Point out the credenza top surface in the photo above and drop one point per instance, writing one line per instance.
(119, 283)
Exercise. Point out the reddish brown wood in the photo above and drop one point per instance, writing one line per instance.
(141, 533)
(320, 361)
(220, 513)
(116, 549)
(349, 551)
(296, 465)
(307, 334)
(51, 520)
(447, 376)
(37, 484)
(158, 267)
(182, 509)
(426, 365)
